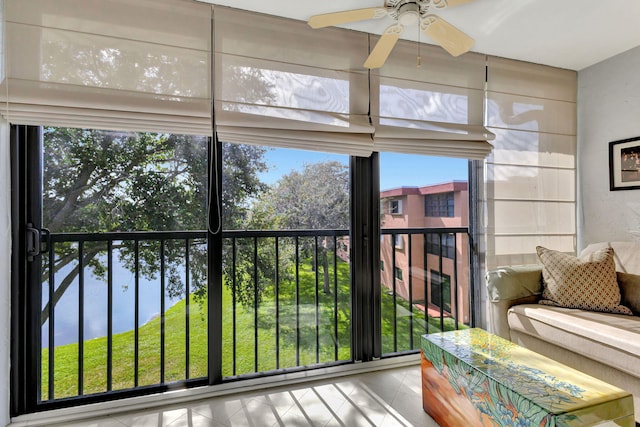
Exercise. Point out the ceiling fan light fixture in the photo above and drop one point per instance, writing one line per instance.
(408, 13)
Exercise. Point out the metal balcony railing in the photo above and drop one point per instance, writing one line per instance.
(286, 305)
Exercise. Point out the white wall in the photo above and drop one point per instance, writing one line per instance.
(608, 110)
(5, 271)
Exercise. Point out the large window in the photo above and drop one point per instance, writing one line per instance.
(199, 259)
(221, 257)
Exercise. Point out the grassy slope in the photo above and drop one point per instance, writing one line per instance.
(95, 351)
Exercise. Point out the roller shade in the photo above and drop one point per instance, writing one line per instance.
(109, 64)
(435, 109)
(280, 83)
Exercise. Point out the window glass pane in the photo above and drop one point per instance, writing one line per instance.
(100, 286)
(286, 293)
(433, 195)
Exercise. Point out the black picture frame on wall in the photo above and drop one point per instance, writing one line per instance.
(624, 164)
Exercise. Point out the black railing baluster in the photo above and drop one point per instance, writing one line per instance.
(233, 301)
(255, 304)
(316, 297)
(427, 281)
(410, 264)
(109, 315)
(277, 304)
(187, 311)
(51, 321)
(440, 278)
(162, 308)
(335, 297)
(80, 318)
(297, 300)
(472, 269)
(395, 301)
(453, 283)
(136, 314)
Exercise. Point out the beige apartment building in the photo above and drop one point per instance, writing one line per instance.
(419, 272)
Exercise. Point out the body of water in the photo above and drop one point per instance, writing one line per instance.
(66, 317)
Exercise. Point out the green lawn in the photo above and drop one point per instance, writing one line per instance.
(311, 350)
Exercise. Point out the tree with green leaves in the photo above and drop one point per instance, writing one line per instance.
(99, 181)
(316, 197)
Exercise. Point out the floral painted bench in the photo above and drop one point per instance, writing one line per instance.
(473, 378)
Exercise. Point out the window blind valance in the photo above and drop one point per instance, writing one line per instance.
(109, 64)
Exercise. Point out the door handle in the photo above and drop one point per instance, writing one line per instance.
(37, 241)
(32, 242)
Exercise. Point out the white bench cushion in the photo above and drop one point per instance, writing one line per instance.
(612, 339)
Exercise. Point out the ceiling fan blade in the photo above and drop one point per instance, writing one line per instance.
(383, 48)
(446, 35)
(337, 18)
(441, 4)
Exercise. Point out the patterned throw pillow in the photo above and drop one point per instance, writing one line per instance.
(589, 283)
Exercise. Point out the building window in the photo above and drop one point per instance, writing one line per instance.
(448, 241)
(398, 241)
(381, 265)
(440, 290)
(395, 207)
(439, 205)
(398, 273)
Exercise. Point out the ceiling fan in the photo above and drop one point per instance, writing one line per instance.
(405, 13)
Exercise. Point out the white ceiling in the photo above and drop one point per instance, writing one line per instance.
(572, 34)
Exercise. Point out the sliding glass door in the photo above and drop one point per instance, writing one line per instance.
(116, 235)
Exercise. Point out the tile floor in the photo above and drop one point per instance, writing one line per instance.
(384, 398)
